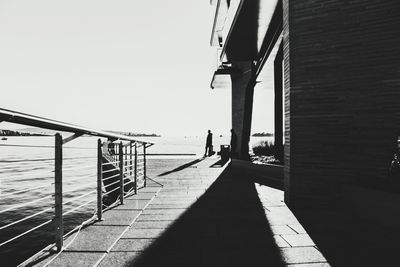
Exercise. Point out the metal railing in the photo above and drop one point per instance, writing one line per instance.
(121, 171)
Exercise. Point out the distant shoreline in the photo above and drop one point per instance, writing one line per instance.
(136, 134)
(18, 133)
(262, 134)
(39, 132)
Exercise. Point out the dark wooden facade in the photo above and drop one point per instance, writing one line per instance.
(342, 77)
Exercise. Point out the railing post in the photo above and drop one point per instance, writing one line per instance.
(115, 152)
(135, 167)
(99, 180)
(121, 174)
(58, 219)
(144, 164)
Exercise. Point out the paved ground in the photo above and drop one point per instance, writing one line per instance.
(202, 216)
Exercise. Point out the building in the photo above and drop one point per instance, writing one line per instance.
(337, 68)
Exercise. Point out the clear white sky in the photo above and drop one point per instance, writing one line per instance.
(142, 66)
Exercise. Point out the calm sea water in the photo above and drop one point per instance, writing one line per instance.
(27, 174)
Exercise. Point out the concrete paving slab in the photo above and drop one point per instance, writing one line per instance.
(144, 196)
(72, 259)
(152, 224)
(118, 217)
(149, 189)
(163, 211)
(302, 255)
(162, 195)
(280, 242)
(137, 197)
(132, 245)
(299, 240)
(281, 214)
(118, 258)
(276, 219)
(324, 264)
(173, 201)
(157, 217)
(95, 238)
(132, 204)
(282, 230)
(298, 228)
(181, 195)
(143, 233)
(167, 206)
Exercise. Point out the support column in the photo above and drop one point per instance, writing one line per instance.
(242, 107)
(278, 86)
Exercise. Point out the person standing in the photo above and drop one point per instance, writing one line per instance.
(209, 147)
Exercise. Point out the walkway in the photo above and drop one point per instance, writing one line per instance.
(203, 216)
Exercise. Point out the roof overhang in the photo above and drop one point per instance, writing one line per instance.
(225, 15)
(222, 77)
(252, 22)
(254, 33)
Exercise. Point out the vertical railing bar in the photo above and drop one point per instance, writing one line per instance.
(58, 219)
(99, 181)
(121, 174)
(130, 160)
(135, 168)
(125, 158)
(115, 152)
(144, 164)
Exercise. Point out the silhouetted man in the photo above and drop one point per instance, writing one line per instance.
(209, 146)
(233, 143)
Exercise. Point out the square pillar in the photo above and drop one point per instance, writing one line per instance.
(242, 106)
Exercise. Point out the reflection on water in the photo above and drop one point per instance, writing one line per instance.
(27, 176)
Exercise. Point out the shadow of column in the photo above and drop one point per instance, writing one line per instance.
(227, 226)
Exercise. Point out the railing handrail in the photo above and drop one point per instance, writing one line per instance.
(123, 160)
(36, 121)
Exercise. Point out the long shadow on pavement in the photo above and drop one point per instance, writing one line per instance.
(227, 226)
(182, 167)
